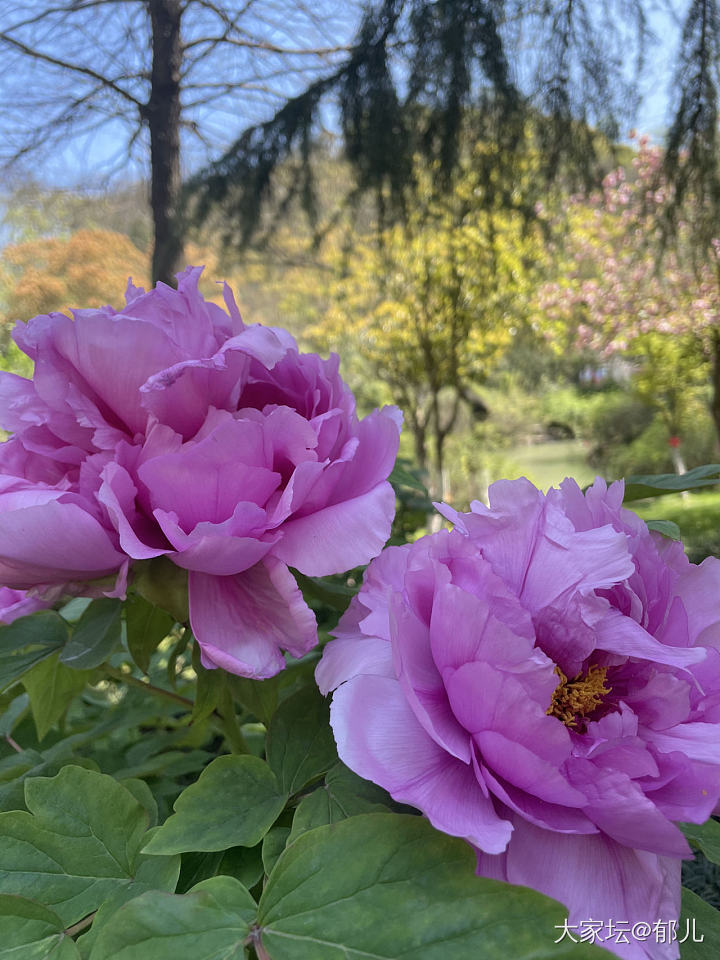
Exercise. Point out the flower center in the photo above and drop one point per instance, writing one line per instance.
(575, 699)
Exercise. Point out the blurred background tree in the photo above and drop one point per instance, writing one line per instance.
(428, 306)
(441, 191)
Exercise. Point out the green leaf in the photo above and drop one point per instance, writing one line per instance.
(178, 649)
(233, 803)
(209, 688)
(51, 687)
(163, 584)
(74, 609)
(706, 836)
(668, 528)
(19, 767)
(243, 863)
(389, 885)
(300, 744)
(273, 845)
(147, 626)
(154, 873)
(143, 794)
(706, 925)
(32, 932)
(656, 485)
(335, 595)
(96, 635)
(343, 795)
(27, 641)
(209, 923)
(403, 477)
(259, 697)
(79, 844)
(13, 713)
(198, 866)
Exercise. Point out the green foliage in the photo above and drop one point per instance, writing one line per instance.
(78, 845)
(637, 488)
(51, 687)
(705, 836)
(209, 922)
(706, 921)
(343, 794)
(33, 931)
(392, 886)
(147, 625)
(300, 745)
(95, 636)
(244, 788)
(28, 641)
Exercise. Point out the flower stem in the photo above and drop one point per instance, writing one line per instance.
(230, 726)
(134, 681)
(80, 925)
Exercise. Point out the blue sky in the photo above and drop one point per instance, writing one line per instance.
(101, 147)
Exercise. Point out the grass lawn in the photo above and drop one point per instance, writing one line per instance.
(547, 464)
(698, 517)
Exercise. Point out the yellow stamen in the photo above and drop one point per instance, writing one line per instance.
(575, 699)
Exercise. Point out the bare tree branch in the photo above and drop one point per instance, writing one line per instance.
(72, 67)
(270, 47)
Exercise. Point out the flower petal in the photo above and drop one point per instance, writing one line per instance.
(395, 752)
(242, 622)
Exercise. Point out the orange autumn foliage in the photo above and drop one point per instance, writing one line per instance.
(89, 268)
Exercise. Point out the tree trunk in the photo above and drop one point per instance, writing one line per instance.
(716, 384)
(163, 117)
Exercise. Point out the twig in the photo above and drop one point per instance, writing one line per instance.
(134, 681)
(80, 925)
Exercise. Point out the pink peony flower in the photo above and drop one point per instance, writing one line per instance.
(173, 429)
(16, 603)
(543, 681)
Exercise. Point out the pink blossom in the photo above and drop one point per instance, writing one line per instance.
(543, 681)
(171, 428)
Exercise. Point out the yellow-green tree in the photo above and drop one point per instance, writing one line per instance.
(429, 308)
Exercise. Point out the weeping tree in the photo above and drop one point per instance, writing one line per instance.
(416, 76)
(691, 168)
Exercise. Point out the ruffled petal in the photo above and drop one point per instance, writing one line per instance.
(242, 623)
(395, 752)
(339, 537)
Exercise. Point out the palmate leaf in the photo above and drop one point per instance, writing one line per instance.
(342, 795)
(300, 744)
(234, 802)
(389, 885)
(211, 922)
(79, 845)
(375, 885)
(32, 932)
